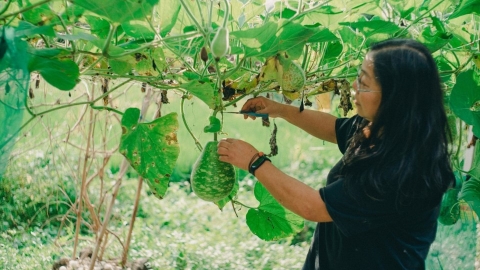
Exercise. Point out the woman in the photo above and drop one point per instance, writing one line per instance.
(380, 206)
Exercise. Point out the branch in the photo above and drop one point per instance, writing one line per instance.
(22, 10)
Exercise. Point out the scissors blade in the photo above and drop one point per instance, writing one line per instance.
(263, 115)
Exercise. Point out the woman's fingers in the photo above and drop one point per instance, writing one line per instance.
(254, 104)
(236, 152)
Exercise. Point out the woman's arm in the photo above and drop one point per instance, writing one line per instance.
(291, 193)
(316, 123)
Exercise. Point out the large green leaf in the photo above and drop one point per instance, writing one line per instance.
(26, 29)
(271, 221)
(467, 7)
(328, 16)
(271, 38)
(169, 11)
(122, 65)
(465, 98)
(372, 27)
(139, 30)
(202, 90)
(61, 74)
(98, 26)
(475, 167)
(470, 193)
(119, 11)
(40, 15)
(151, 148)
(256, 37)
(435, 41)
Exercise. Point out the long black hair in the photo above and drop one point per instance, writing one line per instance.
(407, 153)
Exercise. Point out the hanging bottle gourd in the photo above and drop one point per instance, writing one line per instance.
(211, 179)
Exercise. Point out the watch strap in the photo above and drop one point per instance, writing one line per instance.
(257, 163)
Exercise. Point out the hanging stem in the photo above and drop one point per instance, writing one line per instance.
(200, 11)
(197, 143)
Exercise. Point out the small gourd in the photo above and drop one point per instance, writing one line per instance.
(220, 43)
(211, 179)
(290, 76)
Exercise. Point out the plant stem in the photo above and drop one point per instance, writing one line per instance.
(305, 12)
(197, 143)
(427, 12)
(300, 4)
(192, 17)
(230, 103)
(237, 202)
(123, 169)
(227, 13)
(460, 68)
(108, 40)
(83, 185)
(74, 47)
(237, 67)
(200, 11)
(23, 9)
(132, 221)
(92, 65)
(91, 103)
(6, 6)
(106, 108)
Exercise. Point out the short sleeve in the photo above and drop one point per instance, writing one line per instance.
(360, 214)
(344, 130)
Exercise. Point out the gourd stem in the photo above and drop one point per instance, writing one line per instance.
(227, 13)
(237, 202)
(197, 143)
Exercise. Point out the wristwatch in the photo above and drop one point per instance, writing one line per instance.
(257, 163)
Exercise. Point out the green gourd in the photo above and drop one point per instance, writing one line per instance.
(290, 76)
(220, 43)
(211, 179)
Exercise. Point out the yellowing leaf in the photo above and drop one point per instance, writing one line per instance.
(151, 148)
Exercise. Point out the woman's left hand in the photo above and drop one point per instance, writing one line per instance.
(236, 152)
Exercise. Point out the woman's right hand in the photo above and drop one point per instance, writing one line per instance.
(263, 105)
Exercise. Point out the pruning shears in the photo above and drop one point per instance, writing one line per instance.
(263, 115)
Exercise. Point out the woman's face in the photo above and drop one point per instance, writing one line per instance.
(368, 93)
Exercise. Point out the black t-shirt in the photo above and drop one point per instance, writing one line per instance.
(368, 233)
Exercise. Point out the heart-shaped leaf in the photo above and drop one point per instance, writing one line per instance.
(470, 193)
(202, 90)
(271, 221)
(119, 11)
(61, 74)
(151, 148)
(465, 98)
